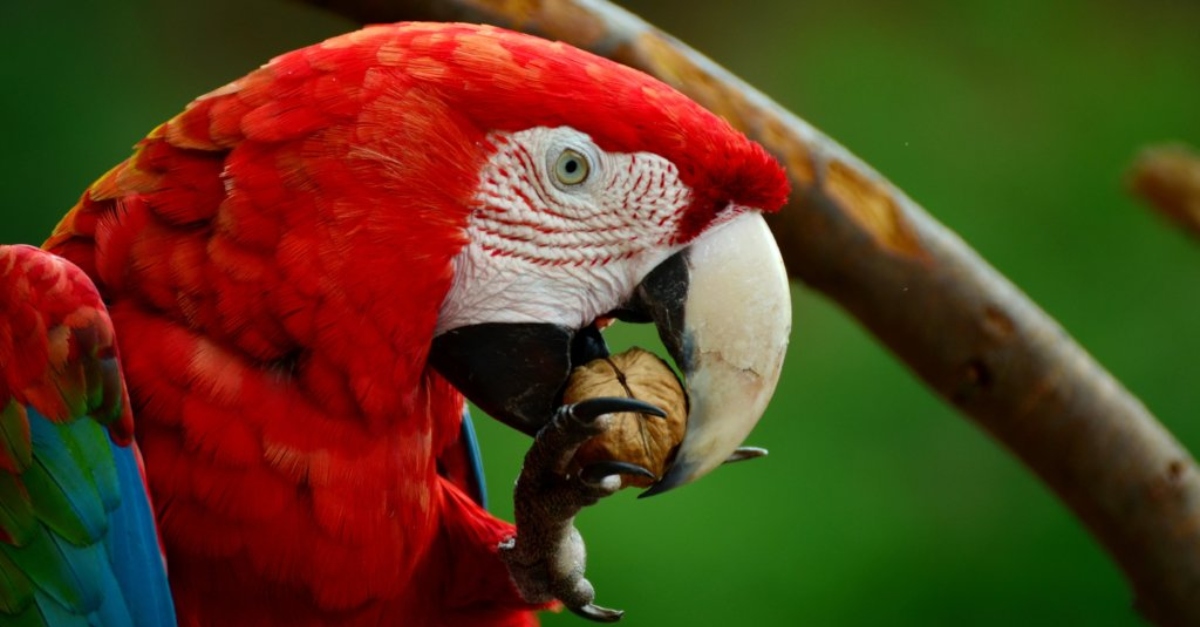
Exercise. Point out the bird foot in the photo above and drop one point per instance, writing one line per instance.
(546, 558)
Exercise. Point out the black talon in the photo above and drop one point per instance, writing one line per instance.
(596, 613)
(744, 453)
(595, 473)
(592, 408)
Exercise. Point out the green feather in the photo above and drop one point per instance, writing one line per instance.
(67, 498)
(46, 566)
(17, 520)
(93, 381)
(95, 456)
(62, 505)
(29, 617)
(15, 446)
(46, 563)
(16, 591)
(106, 400)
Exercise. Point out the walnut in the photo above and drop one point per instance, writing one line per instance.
(648, 441)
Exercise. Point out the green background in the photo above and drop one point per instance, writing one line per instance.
(1010, 121)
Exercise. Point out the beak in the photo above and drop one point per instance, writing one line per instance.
(723, 310)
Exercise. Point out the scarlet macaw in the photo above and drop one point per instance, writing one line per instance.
(309, 268)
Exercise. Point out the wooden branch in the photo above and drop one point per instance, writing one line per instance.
(1168, 178)
(969, 333)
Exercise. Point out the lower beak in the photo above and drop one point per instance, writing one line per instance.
(723, 309)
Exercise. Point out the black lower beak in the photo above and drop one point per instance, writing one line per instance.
(515, 372)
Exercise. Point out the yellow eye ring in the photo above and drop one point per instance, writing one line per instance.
(572, 168)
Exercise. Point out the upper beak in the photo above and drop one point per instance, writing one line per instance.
(722, 308)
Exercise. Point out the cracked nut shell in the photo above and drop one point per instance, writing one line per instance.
(647, 441)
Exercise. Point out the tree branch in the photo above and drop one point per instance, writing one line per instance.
(1168, 178)
(967, 331)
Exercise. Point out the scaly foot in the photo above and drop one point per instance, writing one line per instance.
(547, 557)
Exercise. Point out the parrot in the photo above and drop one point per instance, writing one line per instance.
(302, 279)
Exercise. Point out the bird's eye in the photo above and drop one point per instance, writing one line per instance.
(571, 168)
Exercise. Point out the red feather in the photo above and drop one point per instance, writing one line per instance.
(57, 350)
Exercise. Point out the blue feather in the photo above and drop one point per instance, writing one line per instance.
(471, 442)
(133, 548)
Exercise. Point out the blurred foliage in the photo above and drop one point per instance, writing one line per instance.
(1010, 121)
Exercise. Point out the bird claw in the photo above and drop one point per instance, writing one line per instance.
(598, 614)
(595, 474)
(547, 557)
(592, 408)
(744, 453)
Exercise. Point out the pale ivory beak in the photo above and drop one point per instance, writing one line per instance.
(727, 327)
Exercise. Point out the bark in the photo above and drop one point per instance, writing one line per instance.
(969, 333)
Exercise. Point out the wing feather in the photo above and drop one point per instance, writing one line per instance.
(78, 545)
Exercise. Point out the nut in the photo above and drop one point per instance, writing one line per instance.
(647, 441)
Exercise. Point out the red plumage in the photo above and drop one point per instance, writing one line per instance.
(275, 258)
(54, 339)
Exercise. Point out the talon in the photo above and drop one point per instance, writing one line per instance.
(593, 474)
(743, 453)
(598, 614)
(592, 408)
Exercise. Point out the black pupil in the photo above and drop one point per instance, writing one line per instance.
(571, 166)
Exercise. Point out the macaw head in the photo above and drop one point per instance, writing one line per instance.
(480, 203)
(602, 193)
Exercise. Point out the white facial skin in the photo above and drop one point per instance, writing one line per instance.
(563, 231)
